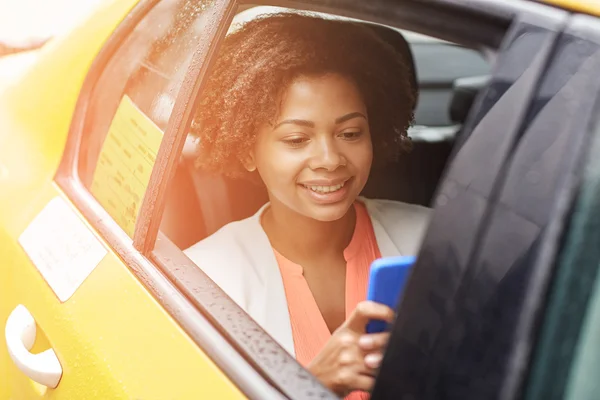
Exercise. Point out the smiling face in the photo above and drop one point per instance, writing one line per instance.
(316, 158)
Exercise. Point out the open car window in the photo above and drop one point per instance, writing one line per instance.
(199, 203)
(193, 213)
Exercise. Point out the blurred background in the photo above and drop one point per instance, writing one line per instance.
(26, 24)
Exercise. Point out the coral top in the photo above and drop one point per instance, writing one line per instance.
(309, 330)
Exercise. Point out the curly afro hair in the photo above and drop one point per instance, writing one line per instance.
(257, 63)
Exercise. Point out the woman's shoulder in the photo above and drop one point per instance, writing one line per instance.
(228, 257)
(401, 223)
(397, 210)
(220, 244)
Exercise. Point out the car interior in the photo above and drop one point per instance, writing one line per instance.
(199, 203)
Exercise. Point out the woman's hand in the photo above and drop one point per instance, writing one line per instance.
(350, 358)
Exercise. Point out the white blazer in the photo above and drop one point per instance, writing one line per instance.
(240, 259)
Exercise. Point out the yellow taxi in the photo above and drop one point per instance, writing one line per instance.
(99, 195)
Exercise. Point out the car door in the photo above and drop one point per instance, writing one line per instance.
(564, 359)
(488, 301)
(79, 323)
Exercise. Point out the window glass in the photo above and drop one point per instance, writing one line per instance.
(568, 355)
(583, 379)
(131, 104)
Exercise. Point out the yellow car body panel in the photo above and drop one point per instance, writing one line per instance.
(585, 6)
(112, 338)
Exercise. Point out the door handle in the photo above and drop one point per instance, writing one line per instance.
(44, 368)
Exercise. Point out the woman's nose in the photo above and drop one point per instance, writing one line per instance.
(327, 156)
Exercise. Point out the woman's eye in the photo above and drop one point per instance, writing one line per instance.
(349, 135)
(295, 141)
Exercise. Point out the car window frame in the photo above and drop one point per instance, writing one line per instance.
(199, 328)
(444, 19)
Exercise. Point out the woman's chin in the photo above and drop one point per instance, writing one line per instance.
(328, 212)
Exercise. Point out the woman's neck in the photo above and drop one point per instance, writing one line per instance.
(300, 238)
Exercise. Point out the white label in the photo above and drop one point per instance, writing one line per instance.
(62, 247)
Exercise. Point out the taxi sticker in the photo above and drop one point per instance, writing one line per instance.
(125, 163)
(62, 247)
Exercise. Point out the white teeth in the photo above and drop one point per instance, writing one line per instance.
(326, 189)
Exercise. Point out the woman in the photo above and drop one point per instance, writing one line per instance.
(305, 105)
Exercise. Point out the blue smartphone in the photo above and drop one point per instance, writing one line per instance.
(387, 279)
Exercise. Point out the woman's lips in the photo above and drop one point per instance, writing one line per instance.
(324, 194)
